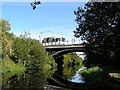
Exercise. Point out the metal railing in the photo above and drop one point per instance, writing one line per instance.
(67, 43)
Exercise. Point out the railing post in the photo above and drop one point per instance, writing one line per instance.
(79, 41)
(67, 42)
(73, 41)
(59, 42)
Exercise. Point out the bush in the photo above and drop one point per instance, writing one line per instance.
(95, 77)
(9, 68)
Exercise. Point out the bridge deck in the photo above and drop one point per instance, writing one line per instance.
(64, 46)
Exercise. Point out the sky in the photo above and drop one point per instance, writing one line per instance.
(48, 19)
(45, 0)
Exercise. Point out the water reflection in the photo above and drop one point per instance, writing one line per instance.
(78, 77)
(72, 74)
(37, 80)
(28, 80)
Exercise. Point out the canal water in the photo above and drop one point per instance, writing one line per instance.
(29, 80)
(77, 77)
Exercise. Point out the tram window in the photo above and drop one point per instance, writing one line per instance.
(59, 39)
(56, 39)
(47, 40)
(50, 40)
(63, 39)
(53, 40)
(43, 41)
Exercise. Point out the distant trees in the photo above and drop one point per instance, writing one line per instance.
(71, 63)
(98, 26)
(72, 59)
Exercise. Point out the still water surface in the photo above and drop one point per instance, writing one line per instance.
(32, 80)
(77, 77)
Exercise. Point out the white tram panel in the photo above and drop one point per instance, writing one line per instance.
(54, 40)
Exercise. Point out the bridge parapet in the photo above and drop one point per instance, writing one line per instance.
(60, 42)
(65, 46)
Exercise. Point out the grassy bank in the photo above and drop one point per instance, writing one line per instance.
(96, 77)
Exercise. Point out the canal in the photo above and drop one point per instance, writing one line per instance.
(66, 78)
(30, 80)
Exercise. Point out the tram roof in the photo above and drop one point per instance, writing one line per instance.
(54, 37)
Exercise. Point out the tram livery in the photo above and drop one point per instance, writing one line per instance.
(54, 40)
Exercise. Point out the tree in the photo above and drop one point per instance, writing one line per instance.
(4, 25)
(71, 63)
(98, 26)
(6, 38)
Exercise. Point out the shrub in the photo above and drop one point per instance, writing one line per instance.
(95, 77)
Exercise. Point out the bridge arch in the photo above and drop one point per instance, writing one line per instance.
(59, 80)
(61, 52)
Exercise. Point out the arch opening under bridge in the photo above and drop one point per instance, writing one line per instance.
(59, 51)
(64, 51)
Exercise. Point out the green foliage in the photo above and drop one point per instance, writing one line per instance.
(72, 59)
(98, 26)
(0, 65)
(38, 61)
(34, 56)
(95, 77)
(51, 65)
(31, 53)
(0, 71)
(5, 37)
(19, 50)
(23, 53)
(69, 71)
(4, 25)
(9, 68)
(71, 64)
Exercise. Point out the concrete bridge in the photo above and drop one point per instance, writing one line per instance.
(58, 50)
(61, 47)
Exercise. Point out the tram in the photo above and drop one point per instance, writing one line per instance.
(54, 40)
